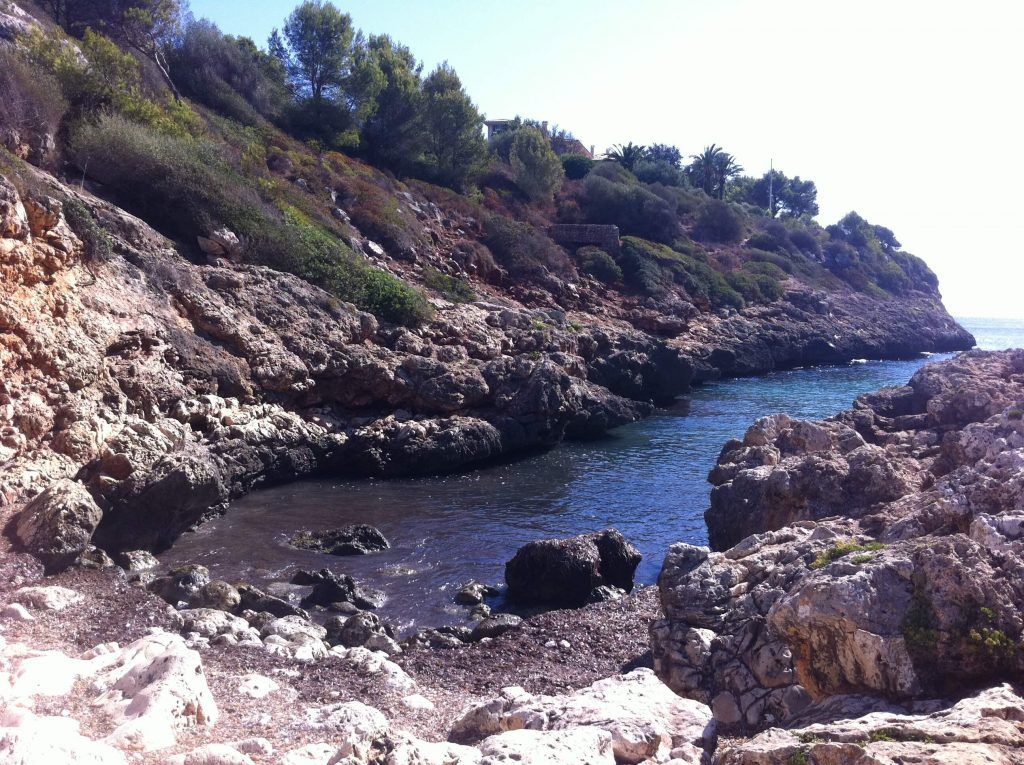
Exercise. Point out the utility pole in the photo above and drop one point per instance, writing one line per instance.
(771, 187)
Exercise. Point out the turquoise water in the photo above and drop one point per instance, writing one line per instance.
(647, 479)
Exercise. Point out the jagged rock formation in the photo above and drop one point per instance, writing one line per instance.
(885, 558)
(167, 388)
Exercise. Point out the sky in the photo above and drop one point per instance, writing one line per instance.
(908, 111)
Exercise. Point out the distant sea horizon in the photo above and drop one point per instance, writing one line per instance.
(993, 333)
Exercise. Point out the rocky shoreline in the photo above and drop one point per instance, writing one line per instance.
(165, 388)
(882, 632)
(864, 590)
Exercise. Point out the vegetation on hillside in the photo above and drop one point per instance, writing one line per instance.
(292, 144)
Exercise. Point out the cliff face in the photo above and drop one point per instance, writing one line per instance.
(870, 559)
(166, 387)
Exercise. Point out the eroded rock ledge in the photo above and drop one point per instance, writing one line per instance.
(167, 388)
(870, 560)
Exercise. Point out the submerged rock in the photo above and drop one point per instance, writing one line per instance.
(358, 539)
(564, 572)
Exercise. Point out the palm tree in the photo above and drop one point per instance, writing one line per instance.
(627, 155)
(712, 170)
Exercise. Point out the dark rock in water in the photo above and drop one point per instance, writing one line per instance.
(564, 572)
(474, 593)
(480, 611)
(495, 625)
(180, 584)
(330, 588)
(254, 599)
(358, 539)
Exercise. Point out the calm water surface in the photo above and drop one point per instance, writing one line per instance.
(647, 479)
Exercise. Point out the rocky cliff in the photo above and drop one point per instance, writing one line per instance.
(861, 563)
(164, 387)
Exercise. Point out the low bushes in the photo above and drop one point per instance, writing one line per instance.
(651, 268)
(452, 287)
(576, 166)
(187, 188)
(30, 100)
(595, 262)
(630, 206)
(523, 250)
(718, 222)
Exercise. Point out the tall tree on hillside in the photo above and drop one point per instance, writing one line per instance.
(662, 152)
(712, 170)
(628, 154)
(148, 26)
(455, 142)
(317, 48)
(393, 133)
(536, 168)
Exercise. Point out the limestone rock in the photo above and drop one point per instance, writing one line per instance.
(50, 598)
(579, 746)
(58, 525)
(644, 718)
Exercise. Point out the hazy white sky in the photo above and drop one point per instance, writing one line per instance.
(908, 111)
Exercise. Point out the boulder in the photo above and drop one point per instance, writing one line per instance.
(492, 626)
(181, 584)
(58, 524)
(222, 243)
(354, 630)
(985, 728)
(216, 594)
(474, 593)
(564, 572)
(580, 746)
(645, 719)
(51, 598)
(357, 539)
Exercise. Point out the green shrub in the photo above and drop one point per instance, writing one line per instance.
(187, 188)
(718, 222)
(612, 171)
(804, 241)
(841, 549)
(523, 250)
(595, 262)
(535, 166)
(651, 267)
(762, 240)
(576, 166)
(230, 75)
(765, 268)
(452, 287)
(755, 288)
(95, 241)
(30, 100)
(107, 80)
(658, 172)
(631, 207)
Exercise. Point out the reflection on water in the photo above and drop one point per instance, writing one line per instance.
(647, 479)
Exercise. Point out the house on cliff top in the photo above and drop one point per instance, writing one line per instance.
(562, 142)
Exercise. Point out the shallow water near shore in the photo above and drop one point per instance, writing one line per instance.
(647, 479)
